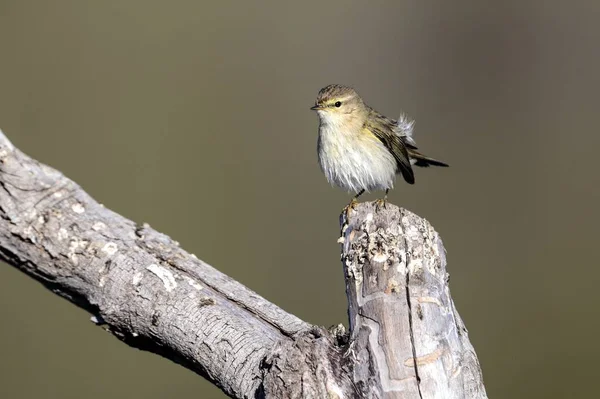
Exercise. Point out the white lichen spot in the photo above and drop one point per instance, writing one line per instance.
(77, 208)
(102, 271)
(28, 232)
(369, 217)
(165, 275)
(380, 256)
(41, 220)
(74, 246)
(62, 234)
(58, 194)
(392, 286)
(98, 226)
(137, 278)
(134, 334)
(351, 269)
(373, 280)
(340, 240)
(415, 265)
(110, 248)
(194, 256)
(193, 283)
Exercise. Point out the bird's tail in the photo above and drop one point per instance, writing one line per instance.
(421, 160)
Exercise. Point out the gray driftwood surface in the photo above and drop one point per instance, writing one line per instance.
(406, 339)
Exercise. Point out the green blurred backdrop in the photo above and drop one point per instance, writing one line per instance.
(194, 117)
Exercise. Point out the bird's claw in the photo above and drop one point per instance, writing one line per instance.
(380, 203)
(350, 207)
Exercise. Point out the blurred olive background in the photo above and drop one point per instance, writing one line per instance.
(194, 117)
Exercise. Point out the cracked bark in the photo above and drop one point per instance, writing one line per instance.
(405, 339)
(409, 341)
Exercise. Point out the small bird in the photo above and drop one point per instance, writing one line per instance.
(361, 150)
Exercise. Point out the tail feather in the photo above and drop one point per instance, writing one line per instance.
(423, 161)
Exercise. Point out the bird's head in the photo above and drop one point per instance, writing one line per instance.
(337, 103)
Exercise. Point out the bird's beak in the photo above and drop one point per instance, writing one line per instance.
(316, 107)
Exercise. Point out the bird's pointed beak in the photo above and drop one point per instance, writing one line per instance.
(316, 107)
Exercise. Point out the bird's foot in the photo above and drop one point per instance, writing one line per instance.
(380, 203)
(350, 207)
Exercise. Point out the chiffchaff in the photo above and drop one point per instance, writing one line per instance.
(360, 149)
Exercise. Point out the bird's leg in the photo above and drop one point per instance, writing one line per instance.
(353, 203)
(380, 203)
(355, 198)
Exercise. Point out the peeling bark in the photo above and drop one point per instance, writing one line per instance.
(405, 334)
(408, 339)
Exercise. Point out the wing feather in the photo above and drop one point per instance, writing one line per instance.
(385, 130)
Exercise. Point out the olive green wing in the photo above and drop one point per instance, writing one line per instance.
(384, 129)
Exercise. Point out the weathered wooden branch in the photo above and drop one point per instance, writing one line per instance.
(406, 338)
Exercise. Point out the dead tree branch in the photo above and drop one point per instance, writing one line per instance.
(406, 338)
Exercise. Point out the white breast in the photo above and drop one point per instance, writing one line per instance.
(354, 161)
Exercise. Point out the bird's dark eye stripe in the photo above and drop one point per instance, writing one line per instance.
(338, 104)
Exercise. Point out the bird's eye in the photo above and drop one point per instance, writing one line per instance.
(338, 104)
